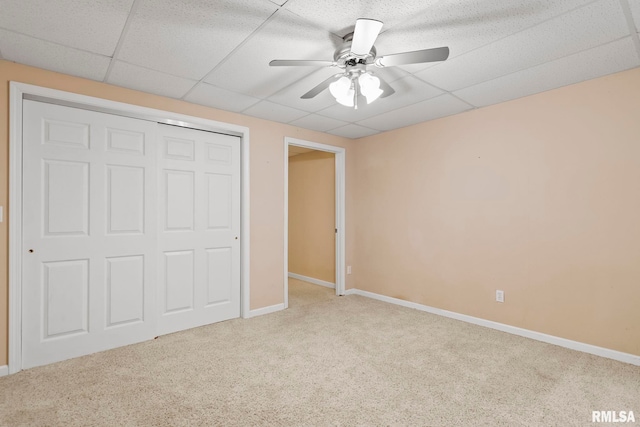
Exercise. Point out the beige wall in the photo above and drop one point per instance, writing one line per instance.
(266, 169)
(539, 197)
(312, 214)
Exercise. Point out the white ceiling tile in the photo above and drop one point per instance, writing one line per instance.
(353, 131)
(42, 54)
(349, 114)
(409, 90)
(317, 122)
(212, 96)
(274, 112)
(290, 95)
(468, 25)
(150, 81)
(229, 43)
(441, 106)
(610, 58)
(573, 32)
(389, 74)
(323, 13)
(188, 38)
(286, 36)
(635, 12)
(93, 26)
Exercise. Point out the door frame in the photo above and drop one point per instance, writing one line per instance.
(21, 91)
(340, 193)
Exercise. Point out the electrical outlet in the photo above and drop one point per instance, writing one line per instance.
(348, 269)
(500, 296)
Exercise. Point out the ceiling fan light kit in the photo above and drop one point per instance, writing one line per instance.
(347, 87)
(370, 87)
(353, 56)
(343, 91)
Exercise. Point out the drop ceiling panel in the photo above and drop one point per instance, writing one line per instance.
(323, 13)
(409, 90)
(38, 53)
(635, 12)
(468, 25)
(610, 58)
(290, 95)
(390, 74)
(188, 38)
(573, 32)
(441, 106)
(317, 122)
(212, 96)
(92, 26)
(353, 131)
(150, 81)
(216, 52)
(275, 112)
(286, 36)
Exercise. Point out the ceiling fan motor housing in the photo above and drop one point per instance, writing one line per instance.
(344, 58)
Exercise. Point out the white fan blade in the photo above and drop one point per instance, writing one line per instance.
(322, 86)
(415, 57)
(300, 63)
(364, 36)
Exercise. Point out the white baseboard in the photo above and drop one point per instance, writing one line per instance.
(265, 310)
(538, 336)
(4, 371)
(312, 280)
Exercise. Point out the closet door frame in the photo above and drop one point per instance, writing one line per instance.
(22, 91)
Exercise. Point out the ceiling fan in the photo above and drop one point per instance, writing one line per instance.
(356, 53)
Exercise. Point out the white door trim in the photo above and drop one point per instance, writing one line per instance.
(340, 154)
(18, 91)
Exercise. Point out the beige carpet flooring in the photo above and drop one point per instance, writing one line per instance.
(326, 361)
(303, 293)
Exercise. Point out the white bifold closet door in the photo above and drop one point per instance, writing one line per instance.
(129, 231)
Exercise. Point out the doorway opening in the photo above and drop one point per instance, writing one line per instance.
(314, 221)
